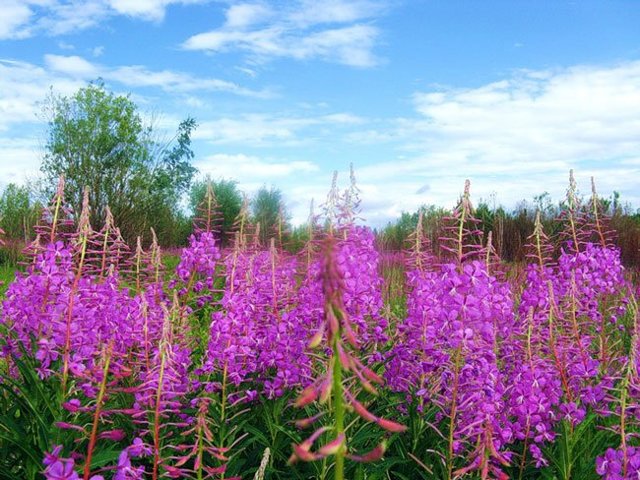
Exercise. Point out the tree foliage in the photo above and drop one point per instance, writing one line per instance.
(98, 139)
(18, 213)
(394, 236)
(227, 197)
(268, 209)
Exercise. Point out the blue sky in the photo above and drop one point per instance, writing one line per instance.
(419, 94)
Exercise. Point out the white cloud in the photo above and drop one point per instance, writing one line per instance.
(351, 45)
(274, 130)
(140, 76)
(332, 31)
(312, 12)
(252, 169)
(576, 114)
(24, 18)
(15, 16)
(247, 14)
(263, 40)
(61, 17)
(194, 102)
(23, 86)
(146, 9)
(20, 160)
(71, 65)
(343, 118)
(247, 71)
(65, 46)
(248, 130)
(518, 137)
(153, 10)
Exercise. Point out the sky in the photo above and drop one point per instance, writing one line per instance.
(418, 94)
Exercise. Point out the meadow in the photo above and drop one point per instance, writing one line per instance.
(340, 361)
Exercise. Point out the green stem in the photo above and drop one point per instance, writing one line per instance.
(567, 451)
(103, 264)
(156, 415)
(96, 415)
(452, 420)
(623, 418)
(74, 289)
(200, 454)
(461, 233)
(338, 403)
(574, 235)
(223, 407)
(54, 223)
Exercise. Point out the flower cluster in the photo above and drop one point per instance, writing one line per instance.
(254, 336)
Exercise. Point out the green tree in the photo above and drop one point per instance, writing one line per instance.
(227, 197)
(18, 213)
(394, 235)
(486, 215)
(268, 209)
(98, 139)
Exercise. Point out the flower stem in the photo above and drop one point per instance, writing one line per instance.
(96, 414)
(454, 405)
(338, 405)
(72, 294)
(156, 419)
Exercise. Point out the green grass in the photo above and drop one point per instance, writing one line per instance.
(170, 262)
(7, 274)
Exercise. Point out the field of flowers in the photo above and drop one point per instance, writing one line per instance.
(339, 362)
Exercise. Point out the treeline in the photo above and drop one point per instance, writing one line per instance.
(511, 229)
(21, 209)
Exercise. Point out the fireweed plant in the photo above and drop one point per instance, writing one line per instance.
(342, 361)
(447, 354)
(344, 375)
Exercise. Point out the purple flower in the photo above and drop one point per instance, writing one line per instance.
(609, 466)
(61, 470)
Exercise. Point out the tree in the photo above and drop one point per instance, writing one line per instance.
(269, 211)
(18, 213)
(99, 140)
(394, 235)
(227, 197)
